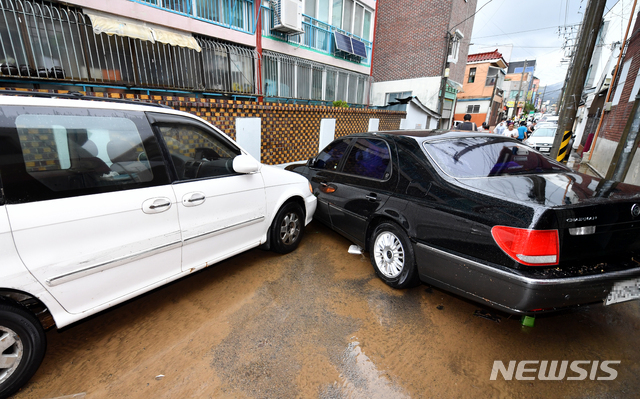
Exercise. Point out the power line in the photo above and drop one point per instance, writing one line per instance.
(513, 33)
(470, 16)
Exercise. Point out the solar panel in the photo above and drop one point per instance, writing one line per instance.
(343, 42)
(358, 48)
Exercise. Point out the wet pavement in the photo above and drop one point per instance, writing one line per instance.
(317, 323)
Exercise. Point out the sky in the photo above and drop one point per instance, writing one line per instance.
(529, 29)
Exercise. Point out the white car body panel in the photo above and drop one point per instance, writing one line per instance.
(89, 250)
(209, 233)
(83, 254)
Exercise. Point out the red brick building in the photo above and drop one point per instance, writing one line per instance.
(623, 98)
(417, 44)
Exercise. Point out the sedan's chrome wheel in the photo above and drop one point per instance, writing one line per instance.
(290, 228)
(11, 352)
(389, 254)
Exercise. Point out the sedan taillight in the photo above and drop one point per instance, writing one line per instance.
(529, 247)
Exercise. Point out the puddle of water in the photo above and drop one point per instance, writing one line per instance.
(361, 379)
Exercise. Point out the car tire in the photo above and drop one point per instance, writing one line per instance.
(287, 228)
(24, 339)
(392, 256)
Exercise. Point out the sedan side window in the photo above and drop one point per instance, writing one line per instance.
(369, 158)
(197, 153)
(329, 158)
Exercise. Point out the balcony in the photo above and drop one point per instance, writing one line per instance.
(317, 36)
(233, 14)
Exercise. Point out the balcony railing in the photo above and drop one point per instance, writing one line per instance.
(317, 35)
(234, 14)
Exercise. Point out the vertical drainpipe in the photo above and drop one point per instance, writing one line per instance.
(259, 48)
(373, 47)
(443, 80)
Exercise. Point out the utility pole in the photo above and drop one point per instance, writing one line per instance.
(577, 74)
(520, 88)
(542, 100)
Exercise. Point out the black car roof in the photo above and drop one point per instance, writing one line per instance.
(427, 135)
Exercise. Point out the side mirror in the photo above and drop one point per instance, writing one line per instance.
(245, 164)
(312, 162)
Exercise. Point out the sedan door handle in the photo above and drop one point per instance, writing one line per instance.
(155, 206)
(372, 197)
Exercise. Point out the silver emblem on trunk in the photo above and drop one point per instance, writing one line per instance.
(635, 210)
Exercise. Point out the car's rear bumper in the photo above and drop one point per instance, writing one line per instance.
(510, 290)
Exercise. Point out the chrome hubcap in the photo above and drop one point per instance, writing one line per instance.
(11, 352)
(389, 254)
(290, 228)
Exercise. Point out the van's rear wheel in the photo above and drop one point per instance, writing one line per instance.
(22, 347)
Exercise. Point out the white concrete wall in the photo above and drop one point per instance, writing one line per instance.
(248, 135)
(461, 106)
(416, 118)
(426, 89)
(602, 155)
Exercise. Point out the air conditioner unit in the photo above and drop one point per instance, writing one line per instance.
(287, 15)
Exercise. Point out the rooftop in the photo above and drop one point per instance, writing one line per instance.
(495, 56)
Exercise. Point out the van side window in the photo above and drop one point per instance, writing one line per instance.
(197, 152)
(74, 153)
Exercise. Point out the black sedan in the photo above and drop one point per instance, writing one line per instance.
(482, 216)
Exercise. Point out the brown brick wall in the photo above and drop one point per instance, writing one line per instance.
(411, 36)
(289, 132)
(460, 11)
(614, 122)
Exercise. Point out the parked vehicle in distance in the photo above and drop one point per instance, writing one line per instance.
(542, 139)
(548, 118)
(482, 216)
(103, 201)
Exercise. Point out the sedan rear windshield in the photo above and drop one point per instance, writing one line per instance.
(465, 157)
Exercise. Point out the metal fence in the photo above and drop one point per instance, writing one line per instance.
(291, 77)
(48, 41)
(235, 14)
(316, 34)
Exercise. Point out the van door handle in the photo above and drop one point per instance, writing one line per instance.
(372, 197)
(156, 205)
(193, 199)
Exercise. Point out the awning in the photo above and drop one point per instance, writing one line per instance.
(112, 25)
(115, 26)
(176, 39)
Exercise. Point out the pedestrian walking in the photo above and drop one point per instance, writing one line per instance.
(501, 128)
(467, 124)
(522, 131)
(511, 131)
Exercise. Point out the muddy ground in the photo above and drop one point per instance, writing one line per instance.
(318, 324)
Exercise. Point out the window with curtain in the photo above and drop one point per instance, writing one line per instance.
(323, 10)
(366, 27)
(357, 20)
(346, 17)
(336, 17)
(310, 8)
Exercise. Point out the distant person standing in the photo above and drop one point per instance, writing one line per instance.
(467, 124)
(502, 126)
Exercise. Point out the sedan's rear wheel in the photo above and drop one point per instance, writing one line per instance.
(392, 256)
(22, 347)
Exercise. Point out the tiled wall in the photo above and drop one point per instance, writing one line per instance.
(290, 132)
